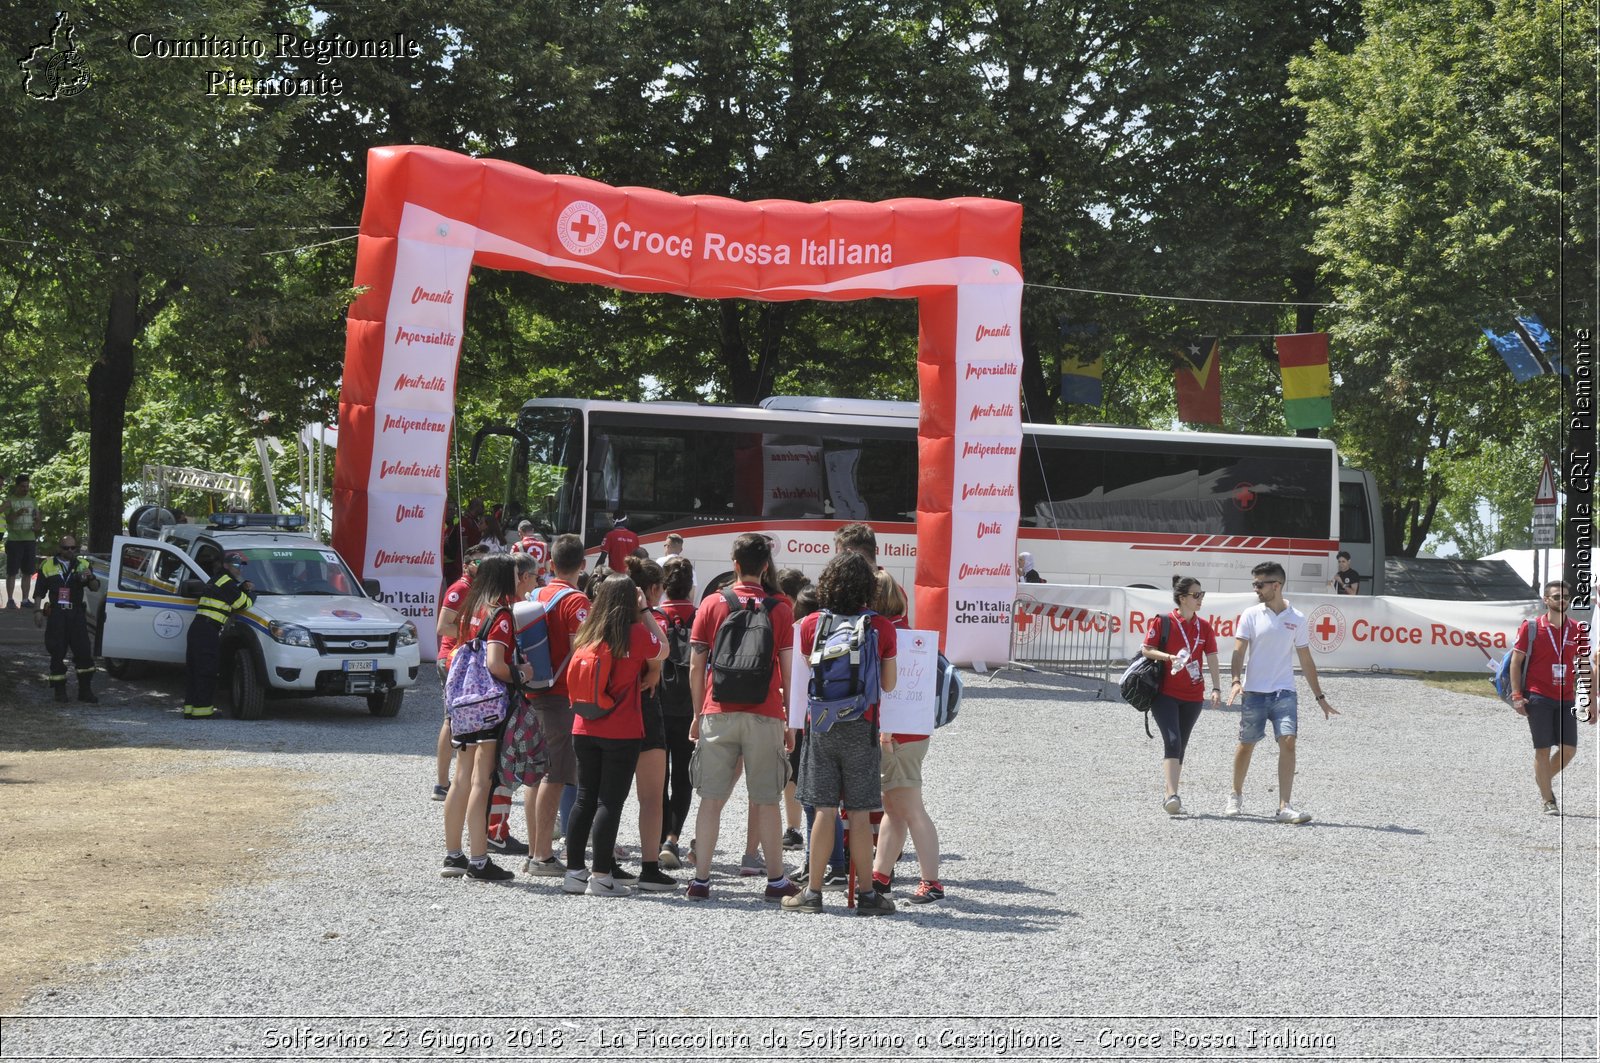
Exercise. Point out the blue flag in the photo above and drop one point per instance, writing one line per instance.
(1518, 358)
(1538, 339)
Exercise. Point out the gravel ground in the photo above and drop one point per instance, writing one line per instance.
(1429, 910)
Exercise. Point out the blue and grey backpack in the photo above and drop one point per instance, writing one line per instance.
(845, 678)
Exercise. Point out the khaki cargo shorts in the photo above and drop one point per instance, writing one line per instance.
(902, 764)
(724, 738)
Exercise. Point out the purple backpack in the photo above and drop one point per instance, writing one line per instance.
(473, 698)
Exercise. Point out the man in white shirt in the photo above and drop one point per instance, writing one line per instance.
(1274, 631)
(673, 547)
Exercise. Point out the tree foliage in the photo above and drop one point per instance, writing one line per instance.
(1402, 159)
(1434, 153)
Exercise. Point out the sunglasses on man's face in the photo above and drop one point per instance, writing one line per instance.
(1258, 584)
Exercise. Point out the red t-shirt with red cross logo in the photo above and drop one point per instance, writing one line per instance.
(453, 597)
(1551, 647)
(569, 613)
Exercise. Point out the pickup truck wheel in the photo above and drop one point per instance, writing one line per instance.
(118, 667)
(387, 703)
(249, 700)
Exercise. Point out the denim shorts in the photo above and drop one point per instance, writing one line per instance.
(1280, 706)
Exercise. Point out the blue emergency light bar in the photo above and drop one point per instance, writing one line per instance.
(284, 521)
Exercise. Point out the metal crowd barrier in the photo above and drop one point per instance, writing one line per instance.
(1065, 640)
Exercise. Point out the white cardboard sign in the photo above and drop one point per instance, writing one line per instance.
(908, 708)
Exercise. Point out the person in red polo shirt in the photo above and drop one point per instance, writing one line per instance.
(566, 609)
(445, 626)
(619, 542)
(1545, 660)
(725, 732)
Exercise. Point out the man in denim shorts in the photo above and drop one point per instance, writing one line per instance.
(1274, 631)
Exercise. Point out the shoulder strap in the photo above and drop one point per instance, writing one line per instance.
(1166, 630)
(819, 637)
(734, 604)
(488, 621)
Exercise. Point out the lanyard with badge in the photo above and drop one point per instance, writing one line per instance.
(1558, 671)
(1191, 665)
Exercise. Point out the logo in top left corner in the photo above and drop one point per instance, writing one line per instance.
(582, 227)
(54, 70)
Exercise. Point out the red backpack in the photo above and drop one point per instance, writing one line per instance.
(589, 681)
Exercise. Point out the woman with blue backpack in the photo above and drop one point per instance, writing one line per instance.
(484, 675)
(851, 651)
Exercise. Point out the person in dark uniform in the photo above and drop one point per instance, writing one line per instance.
(225, 594)
(1347, 580)
(59, 590)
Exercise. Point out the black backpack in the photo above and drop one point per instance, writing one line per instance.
(1141, 682)
(742, 652)
(674, 688)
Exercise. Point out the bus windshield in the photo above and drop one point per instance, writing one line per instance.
(543, 481)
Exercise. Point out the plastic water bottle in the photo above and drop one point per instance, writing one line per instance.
(1180, 661)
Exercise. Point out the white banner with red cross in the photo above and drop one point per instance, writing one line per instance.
(1347, 631)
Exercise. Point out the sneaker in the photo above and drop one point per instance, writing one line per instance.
(656, 882)
(698, 891)
(1173, 805)
(792, 839)
(549, 867)
(927, 892)
(440, 792)
(837, 880)
(575, 881)
(751, 865)
(454, 866)
(608, 886)
(776, 893)
(623, 875)
(670, 857)
(1551, 808)
(874, 903)
(508, 846)
(802, 876)
(1290, 814)
(1235, 805)
(489, 872)
(809, 901)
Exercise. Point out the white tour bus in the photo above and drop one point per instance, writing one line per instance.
(1099, 505)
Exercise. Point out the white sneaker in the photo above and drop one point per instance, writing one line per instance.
(606, 886)
(1235, 805)
(1173, 805)
(575, 881)
(1551, 808)
(1290, 814)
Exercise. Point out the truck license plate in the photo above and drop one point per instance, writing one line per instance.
(361, 666)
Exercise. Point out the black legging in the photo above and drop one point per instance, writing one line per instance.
(1176, 719)
(677, 793)
(605, 775)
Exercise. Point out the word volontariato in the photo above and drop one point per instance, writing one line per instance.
(284, 47)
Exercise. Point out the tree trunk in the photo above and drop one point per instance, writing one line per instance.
(110, 380)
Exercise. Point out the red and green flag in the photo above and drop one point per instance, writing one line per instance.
(1307, 381)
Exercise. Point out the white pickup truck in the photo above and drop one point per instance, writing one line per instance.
(314, 630)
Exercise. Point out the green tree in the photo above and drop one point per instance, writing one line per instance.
(143, 209)
(1434, 153)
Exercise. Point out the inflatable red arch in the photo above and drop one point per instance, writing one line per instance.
(431, 215)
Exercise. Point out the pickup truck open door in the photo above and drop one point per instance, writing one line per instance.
(146, 615)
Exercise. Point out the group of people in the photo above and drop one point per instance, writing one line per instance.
(671, 719)
(1547, 656)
